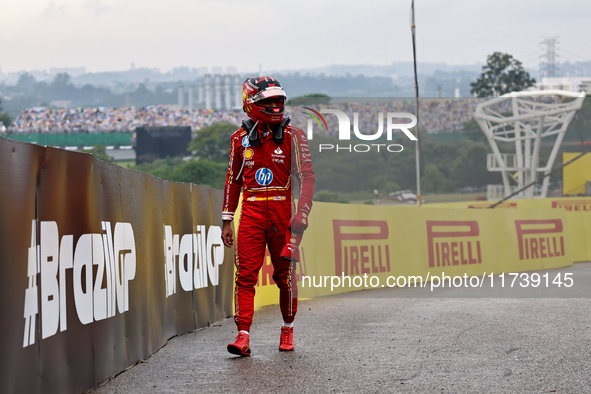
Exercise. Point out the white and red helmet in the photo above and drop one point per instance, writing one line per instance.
(257, 89)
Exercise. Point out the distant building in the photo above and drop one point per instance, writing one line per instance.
(217, 92)
(40, 75)
(570, 84)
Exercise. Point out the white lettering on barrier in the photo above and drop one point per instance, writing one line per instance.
(82, 264)
(186, 268)
(196, 257)
(49, 285)
(31, 306)
(114, 257)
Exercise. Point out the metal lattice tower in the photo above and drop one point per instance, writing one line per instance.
(524, 119)
(549, 64)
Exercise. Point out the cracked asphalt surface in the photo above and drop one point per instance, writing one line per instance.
(391, 340)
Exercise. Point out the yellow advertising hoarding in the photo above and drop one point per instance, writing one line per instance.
(578, 211)
(576, 175)
(356, 241)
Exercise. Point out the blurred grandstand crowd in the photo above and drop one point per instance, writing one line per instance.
(436, 116)
(101, 120)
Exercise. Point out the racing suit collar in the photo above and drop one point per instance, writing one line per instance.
(265, 131)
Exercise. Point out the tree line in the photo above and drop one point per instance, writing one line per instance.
(446, 166)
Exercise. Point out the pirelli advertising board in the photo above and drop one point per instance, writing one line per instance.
(100, 266)
(578, 213)
(347, 243)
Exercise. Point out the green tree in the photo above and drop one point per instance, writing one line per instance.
(161, 168)
(469, 168)
(501, 74)
(329, 196)
(472, 130)
(26, 82)
(581, 122)
(309, 99)
(344, 171)
(5, 119)
(213, 142)
(61, 80)
(100, 152)
(434, 180)
(384, 182)
(202, 172)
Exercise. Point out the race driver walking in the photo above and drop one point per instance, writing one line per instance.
(266, 154)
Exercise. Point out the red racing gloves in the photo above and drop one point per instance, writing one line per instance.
(299, 223)
(293, 236)
(291, 249)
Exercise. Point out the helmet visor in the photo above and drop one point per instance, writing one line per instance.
(272, 91)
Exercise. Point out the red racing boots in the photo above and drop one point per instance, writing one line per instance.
(240, 347)
(286, 341)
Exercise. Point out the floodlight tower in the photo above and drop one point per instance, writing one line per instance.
(524, 119)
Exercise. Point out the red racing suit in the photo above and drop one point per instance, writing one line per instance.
(264, 173)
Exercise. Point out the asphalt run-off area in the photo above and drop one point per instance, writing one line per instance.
(391, 340)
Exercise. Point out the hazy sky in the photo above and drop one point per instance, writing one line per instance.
(106, 35)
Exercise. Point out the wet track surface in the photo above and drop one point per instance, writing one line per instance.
(391, 340)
